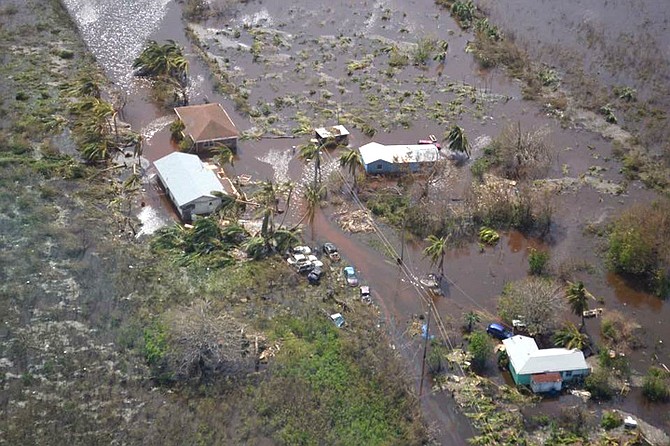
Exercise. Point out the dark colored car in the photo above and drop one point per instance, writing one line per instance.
(331, 251)
(499, 331)
(314, 276)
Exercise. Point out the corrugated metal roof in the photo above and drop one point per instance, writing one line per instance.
(328, 132)
(399, 154)
(187, 177)
(206, 122)
(527, 359)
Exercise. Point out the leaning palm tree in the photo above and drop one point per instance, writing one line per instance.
(436, 250)
(224, 155)
(352, 160)
(458, 142)
(577, 299)
(471, 318)
(570, 337)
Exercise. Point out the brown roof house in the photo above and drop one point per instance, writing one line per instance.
(208, 125)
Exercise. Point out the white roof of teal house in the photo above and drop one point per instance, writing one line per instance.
(400, 153)
(187, 177)
(527, 359)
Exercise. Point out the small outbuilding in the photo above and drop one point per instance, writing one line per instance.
(544, 370)
(382, 159)
(190, 184)
(208, 125)
(338, 133)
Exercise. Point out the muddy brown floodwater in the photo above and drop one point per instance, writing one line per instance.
(306, 75)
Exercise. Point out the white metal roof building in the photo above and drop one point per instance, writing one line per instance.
(189, 184)
(379, 158)
(338, 132)
(526, 360)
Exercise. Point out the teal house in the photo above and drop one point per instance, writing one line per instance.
(544, 370)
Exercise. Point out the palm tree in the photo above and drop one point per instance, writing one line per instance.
(224, 155)
(436, 250)
(312, 152)
(165, 60)
(312, 196)
(577, 299)
(458, 142)
(471, 318)
(352, 160)
(570, 337)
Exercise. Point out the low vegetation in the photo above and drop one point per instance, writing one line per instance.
(639, 246)
(656, 386)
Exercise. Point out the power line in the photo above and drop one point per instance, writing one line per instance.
(414, 282)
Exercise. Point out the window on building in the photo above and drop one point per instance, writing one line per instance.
(568, 374)
(379, 166)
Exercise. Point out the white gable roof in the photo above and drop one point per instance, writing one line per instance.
(187, 177)
(401, 153)
(527, 359)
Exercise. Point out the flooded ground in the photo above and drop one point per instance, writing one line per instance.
(600, 46)
(354, 62)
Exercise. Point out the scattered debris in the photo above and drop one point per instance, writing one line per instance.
(356, 221)
(592, 313)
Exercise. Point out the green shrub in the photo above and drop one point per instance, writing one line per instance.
(655, 387)
(618, 364)
(176, 129)
(21, 96)
(629, 251)
(66, 54)
(538, 262)
(597, 383)
(479, 167)
(611, 420)
(479, 345)
(155, 344)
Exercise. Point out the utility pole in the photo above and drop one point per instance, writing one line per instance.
(402, 238)
(425, 347)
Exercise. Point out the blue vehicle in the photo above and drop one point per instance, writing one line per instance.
(499, 331)
(350, 276)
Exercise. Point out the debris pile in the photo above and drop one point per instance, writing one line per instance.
(355, 221)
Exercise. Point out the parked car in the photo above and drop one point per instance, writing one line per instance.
(314, 276)
(337, 319)
(350, 276)
(331, 251)
(499, 331)
(365, 294)
(305, 250)
(304, 266)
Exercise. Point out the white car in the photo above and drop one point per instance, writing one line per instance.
(337, 319)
